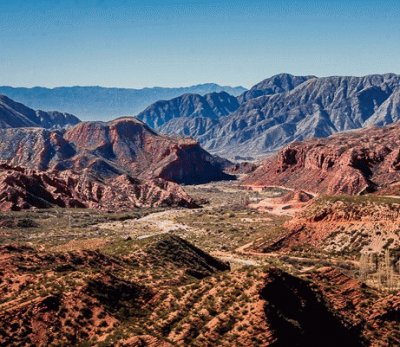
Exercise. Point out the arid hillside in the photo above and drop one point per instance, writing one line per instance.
(349, 163)
(169, 292)
(118, 165)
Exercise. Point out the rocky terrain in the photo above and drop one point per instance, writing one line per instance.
(103, 299)
(318, 107)
(283, 109)
(101, 103)
(274, 85)
(189, 114)
(117, 165)
(350, 163)
(125, 145)
(23, 189)
(16, 115)
(303, 250)
(356, 225)
(72, 276)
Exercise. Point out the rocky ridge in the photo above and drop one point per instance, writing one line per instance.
(16, 115)
(352, 225)
(350, 163)
(283, 109)
(125, 145)
(318, 107)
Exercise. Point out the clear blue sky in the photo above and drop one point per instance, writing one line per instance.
(178, 43)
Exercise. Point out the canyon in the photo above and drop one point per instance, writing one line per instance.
(117, 234)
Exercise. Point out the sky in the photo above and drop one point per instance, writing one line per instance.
(173, 43)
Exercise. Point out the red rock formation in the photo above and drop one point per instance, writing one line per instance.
(241, 168)
(347, 163)
(297, 196)
(22, 188)
(121, 164)
(125, 145)
(129, 144)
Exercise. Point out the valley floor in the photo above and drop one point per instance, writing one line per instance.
(184, 297)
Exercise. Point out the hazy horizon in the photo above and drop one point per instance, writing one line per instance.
(184, 86)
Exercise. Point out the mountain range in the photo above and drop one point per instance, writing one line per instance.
(101, 103)
(279, 110)
(52, 159)
(275, 112)
(16, 115)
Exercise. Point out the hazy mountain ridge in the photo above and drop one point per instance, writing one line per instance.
(189, 114)
(16, 115)
(102, 103)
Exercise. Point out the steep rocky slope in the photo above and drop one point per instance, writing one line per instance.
(317, 107)
(101, 103)
(189, 114)
(349, 163)
(117, 165)
(128, 144)
(276, 84)
(16, 115)
(211, 106)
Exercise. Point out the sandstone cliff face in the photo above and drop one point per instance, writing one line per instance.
(15, 115)
(348, 163)
(22, 189)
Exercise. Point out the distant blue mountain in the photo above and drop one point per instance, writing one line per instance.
(277, 111)
(100, 103)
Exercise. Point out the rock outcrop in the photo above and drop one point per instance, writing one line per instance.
(23, 189)
(350, 163)
(130, 145)
(16, 115)
(328, 308)
(353, 225)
